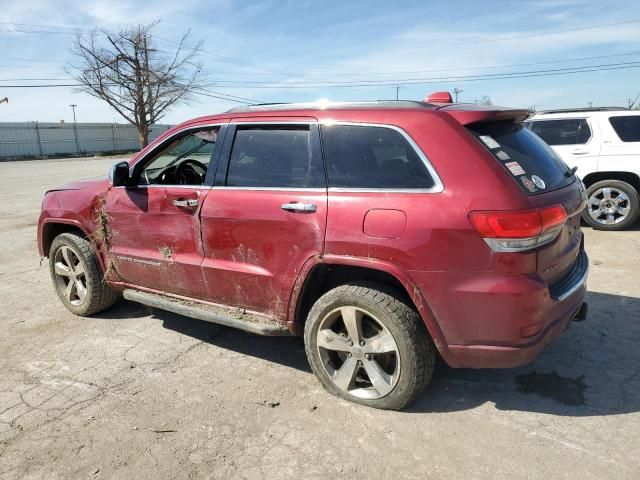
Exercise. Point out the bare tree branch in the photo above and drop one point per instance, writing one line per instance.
(140, 82)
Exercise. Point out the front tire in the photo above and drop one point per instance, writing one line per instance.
(611, 205)
(368, 346)
(77, 276)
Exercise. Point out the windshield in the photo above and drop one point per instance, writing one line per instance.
(528, 159)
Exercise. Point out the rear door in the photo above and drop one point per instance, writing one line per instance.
(547, 181)
(266, 214)
(575, 140)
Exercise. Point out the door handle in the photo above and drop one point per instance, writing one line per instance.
(188, 203)
(299, 207)
(579, 151)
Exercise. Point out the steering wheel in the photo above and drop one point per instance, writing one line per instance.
(190, 172)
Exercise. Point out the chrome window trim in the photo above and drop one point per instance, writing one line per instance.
(157, 185)
(280, 189)
(272, 122)
(381, 190)
(150, 152)
(438, 186)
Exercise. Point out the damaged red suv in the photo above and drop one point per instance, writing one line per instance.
(385, 233)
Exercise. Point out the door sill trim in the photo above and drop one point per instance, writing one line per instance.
(228, 316)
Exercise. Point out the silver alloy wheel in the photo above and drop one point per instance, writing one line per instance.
(608, 206)
(70, 275)
(358, 353)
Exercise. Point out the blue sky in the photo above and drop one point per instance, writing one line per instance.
(294, 42)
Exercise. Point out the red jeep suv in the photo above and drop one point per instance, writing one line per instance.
(385, 233)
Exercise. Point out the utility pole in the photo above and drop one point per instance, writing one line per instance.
(457, 91)
(75, 128)
(397, 91)
(590, 104)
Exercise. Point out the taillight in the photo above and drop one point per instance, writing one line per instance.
(519, 230)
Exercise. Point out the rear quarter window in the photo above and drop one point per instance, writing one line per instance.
(372, 157)
(527, 158)
(627, 127)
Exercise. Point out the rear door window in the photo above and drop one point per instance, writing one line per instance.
(534, 165)
(627, 127)
(573, 131)
(372, 157)
(274, 157)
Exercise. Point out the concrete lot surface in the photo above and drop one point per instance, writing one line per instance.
(133, 393)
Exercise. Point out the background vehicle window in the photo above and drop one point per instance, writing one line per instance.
(627, 127)
(171, 166)
(563, 132)
(372, 157)
(274, 157)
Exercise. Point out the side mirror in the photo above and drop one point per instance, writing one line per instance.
(119, 174)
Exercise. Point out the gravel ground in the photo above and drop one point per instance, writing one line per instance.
(133, 393)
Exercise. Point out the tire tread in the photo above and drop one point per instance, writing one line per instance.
(101, 296)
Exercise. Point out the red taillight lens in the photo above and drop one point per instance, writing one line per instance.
(538, 225)
(518, 224)
(552, 216)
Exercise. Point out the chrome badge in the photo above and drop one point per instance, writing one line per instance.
(538, 181)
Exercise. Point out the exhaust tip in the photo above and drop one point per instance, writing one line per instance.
(581, 314)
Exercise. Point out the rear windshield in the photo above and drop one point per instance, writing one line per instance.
(528, 159)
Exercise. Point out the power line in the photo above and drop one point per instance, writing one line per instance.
(342, 74)
(410, 81)
(425, 81)
(526, 35)
(453, 44)
(483, 67)
(209, 92)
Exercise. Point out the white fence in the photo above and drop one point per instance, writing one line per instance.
(38, 140)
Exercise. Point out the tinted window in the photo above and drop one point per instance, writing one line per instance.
(525, 156)
(274, 157)
(627, 128)
(372, 157)
(563, 132)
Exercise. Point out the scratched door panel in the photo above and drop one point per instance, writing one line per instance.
(253, 248)
(156, 244)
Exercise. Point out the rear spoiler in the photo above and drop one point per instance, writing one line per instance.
(467, 114)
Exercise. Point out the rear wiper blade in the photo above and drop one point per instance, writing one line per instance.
(570, 172)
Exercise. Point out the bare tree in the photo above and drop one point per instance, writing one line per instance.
(136, 79)
(486, 100)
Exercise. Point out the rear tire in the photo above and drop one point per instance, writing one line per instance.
(77, 276)
(368, 346)
(611, 205)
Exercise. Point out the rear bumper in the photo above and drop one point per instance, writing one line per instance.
(507, 322)
(493, 356)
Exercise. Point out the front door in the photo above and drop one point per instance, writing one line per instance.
(265, 216)
(154, 222)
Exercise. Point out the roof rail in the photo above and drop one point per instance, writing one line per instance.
(585, 109)
(323, 105)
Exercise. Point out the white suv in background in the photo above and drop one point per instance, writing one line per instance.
(604, 145)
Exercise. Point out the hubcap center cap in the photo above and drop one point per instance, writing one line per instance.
(358, 352)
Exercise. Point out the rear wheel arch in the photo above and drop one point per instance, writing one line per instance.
(627, 177)
(323, 277)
